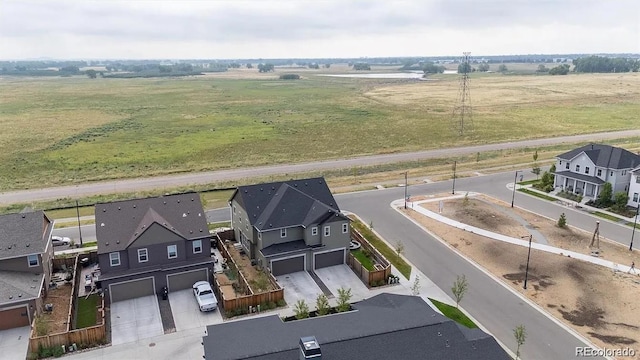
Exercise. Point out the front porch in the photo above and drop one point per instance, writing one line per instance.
(579, 184)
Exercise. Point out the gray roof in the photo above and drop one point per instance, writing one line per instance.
(120, 223)
(606, 156)
(286, 204)
(24, 234)
(286, 247)
(581, 177)
(16, 285)
(402, 325)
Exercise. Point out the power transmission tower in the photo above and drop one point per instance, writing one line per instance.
(462, 119)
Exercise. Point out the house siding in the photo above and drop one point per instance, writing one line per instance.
(22, 264)
(239, 222)
(273, 237)
(634, 188)
(618, 181)
(105, 263)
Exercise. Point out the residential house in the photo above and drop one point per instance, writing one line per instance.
(147, 244)
(385, 326)
(634, 188)
(25, 266)
(290, 226)
(586, 169)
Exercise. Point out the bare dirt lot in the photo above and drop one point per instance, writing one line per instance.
(595, 301)
(56, 320)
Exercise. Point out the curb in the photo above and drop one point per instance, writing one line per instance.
(537, 307)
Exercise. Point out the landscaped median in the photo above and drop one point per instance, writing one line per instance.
(380, 245)
(454, 314)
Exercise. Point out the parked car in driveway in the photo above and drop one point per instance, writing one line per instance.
(204, 295)
(60, 241)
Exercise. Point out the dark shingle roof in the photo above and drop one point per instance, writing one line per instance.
(120, 223)
(581, 177)
(402, 325)
(15, 285)
(24, 234)
(289, 203)
(606, 156)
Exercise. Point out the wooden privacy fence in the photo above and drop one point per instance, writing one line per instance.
(253, 299)
(374, 277)
(85, 337)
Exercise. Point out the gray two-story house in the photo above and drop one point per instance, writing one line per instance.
(25, 266)
(147, 244)
(586, 169)
(290, 226)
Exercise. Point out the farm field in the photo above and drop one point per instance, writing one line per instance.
(61, 131)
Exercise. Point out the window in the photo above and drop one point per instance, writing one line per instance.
(143, 255)
(637, 179)
(283, 233)
(314, 231)
(327, 230)
(259, 235)
(635, 197)
(566, 166)
(33, 260)
(599, 172)
(234, 209)
(172, 251)
(560, 162)
(624, 172)
(345, 228)
(586, 170)
(197, 246)
(611, 174)
(114, 258)
(577, 168)
(247, 226)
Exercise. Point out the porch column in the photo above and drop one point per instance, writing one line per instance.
(595, 194)
(564, 185)
(584, 187)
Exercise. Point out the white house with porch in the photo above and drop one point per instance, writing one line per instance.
(634, 188)
(585, 170)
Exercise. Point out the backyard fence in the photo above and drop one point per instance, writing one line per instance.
(382, 265)
(244, 301)
(85, 337)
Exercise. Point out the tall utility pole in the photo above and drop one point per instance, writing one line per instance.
(635, 221)
(462, 119)
(453, 190)
(79, 227)
(513, 194)
(526, 272)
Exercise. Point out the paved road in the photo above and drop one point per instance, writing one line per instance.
(172, 181)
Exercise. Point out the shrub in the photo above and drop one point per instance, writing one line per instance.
(322, 305)
(344, 296)
(289, 77)
(301, 309)
(281, 303)
(562, 221)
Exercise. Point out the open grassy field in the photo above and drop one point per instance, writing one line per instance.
(69, 130)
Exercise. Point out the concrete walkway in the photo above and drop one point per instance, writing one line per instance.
(540, 239)
(515, 241)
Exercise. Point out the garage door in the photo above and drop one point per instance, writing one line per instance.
(185, 280)
(328, 259)
(286, 266)
(14, 318)
(132, 289)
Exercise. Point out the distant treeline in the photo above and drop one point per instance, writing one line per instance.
(150, 74)
(601, 64)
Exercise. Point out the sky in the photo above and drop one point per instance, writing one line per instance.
(238, 29)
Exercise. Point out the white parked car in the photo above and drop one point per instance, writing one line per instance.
(59, 240)
(204, 295)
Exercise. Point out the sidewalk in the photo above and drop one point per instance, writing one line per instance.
(515, 241)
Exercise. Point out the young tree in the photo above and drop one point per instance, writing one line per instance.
(562, 221)
(344, 296)
(399, 248)
(604, 198)
(415, 288)
(536, 168)
(620, 200)
(460, 287)
(503, 68)
(301, 309)
(322, 305)
(520, 334)
(92, 74)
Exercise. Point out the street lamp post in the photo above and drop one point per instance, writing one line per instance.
(513, 195)
(405, 189)
(635, 221)
(79, 227)
(526, 272)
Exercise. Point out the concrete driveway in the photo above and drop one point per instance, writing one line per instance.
(135, 319)
(186, 313)
(14, 343)
(341, 276)
(299, 285)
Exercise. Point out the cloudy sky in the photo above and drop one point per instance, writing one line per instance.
(83, 29)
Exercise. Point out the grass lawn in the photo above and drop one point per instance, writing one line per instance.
(101, 129)
(529, 182)
(212, 226)
(537, 194)
(364, 259)
(383, 248)
(454, 314)
(87, 311)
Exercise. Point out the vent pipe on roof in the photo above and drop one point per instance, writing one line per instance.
(309, 348)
